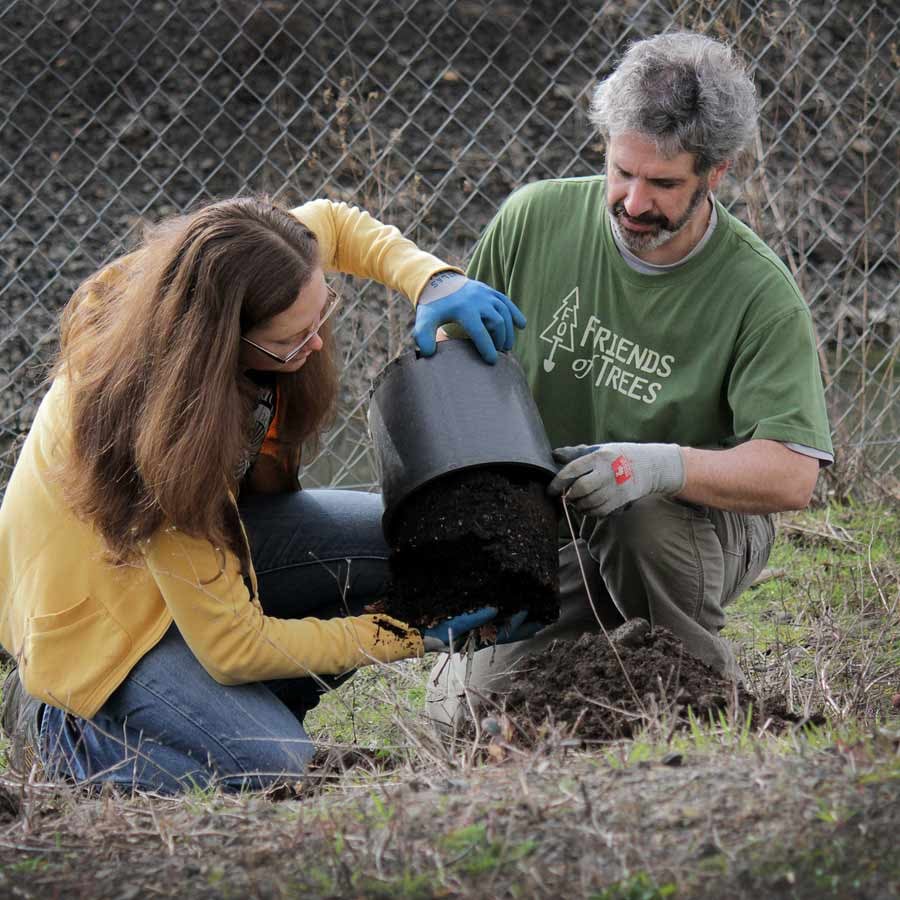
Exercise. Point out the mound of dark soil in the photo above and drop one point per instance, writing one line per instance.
(603, 689)
(480, 537)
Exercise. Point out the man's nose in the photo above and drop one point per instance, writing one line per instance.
(638, 199)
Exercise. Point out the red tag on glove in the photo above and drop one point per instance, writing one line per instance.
(621, 467)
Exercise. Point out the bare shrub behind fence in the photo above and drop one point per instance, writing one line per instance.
(428, 114)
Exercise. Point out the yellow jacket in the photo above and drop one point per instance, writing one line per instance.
(77, 624)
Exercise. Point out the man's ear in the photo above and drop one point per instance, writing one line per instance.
(717, 173)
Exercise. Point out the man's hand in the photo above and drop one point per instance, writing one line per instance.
(600, 478)
(488, 317)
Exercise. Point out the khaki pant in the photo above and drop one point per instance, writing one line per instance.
(672, 563)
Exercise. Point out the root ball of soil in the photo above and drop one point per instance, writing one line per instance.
(479, 537)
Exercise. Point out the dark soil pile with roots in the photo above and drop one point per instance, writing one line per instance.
(602, 689)
(479, 537)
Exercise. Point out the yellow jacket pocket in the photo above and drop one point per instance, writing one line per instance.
(65, 654)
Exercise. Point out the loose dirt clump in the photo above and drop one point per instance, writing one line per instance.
(479, 537)
(605, 689)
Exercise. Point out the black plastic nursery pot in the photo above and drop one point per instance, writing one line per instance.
(430, 416)
(464, 462)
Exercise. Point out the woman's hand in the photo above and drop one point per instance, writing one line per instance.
(448, 635)
(487, 316)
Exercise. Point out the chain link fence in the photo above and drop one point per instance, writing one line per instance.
(429, 114)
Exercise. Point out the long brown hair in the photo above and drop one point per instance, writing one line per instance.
(160, 408)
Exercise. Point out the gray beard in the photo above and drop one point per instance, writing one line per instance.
(645, 241)
(649, 240)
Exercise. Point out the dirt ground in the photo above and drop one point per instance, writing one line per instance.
(727, 824)
(492, 536)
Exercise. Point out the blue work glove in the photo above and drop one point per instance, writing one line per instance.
(517, 628)
(601, 478)
(487, 316)
(450, 633)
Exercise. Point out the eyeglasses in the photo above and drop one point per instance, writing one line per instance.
(331, 305)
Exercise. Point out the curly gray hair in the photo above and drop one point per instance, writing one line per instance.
(686, 92)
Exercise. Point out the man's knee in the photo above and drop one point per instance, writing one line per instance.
(640, 526)
(457, 686)
(659, 555)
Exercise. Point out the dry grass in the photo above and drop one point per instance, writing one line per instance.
(819, 822)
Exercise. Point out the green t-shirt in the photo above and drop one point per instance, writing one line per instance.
(717, 352)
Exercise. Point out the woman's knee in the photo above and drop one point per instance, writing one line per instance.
(266, 761)
(95, 752)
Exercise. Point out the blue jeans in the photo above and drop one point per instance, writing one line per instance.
(169, 725)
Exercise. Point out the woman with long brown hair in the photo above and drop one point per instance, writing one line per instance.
(171, 597)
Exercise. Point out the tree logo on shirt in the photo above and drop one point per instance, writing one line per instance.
(561, 330)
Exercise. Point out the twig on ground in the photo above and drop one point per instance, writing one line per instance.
(587, 589)
(769, 575)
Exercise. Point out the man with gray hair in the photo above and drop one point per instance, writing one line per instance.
(671, 355)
